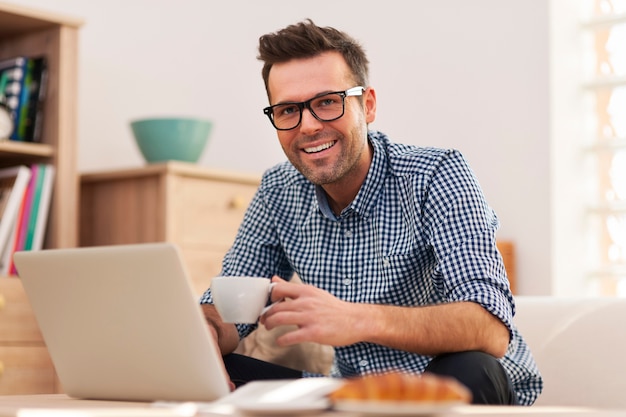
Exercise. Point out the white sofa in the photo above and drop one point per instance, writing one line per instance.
(579, 345)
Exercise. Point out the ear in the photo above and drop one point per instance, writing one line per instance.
(369, 102)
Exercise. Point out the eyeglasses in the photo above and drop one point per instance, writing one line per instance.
(325, 107)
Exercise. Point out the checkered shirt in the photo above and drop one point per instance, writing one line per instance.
(419, 232)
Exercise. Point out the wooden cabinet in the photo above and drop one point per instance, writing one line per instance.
(198, 209)
(25, 366)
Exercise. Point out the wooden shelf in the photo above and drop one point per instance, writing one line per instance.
(185, 169)
(13, 149)
(25, 366)
(29, 32)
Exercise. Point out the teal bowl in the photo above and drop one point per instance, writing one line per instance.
(166, 139)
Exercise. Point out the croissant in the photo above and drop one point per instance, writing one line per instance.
(396, 386)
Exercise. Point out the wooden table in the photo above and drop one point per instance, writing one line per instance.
(57, 405)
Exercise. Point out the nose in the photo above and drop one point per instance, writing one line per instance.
(309, 123)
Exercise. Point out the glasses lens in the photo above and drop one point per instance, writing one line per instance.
(286, 116)
(328, 107)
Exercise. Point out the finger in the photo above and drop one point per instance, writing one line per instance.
(277, 317)
(284, 289)
(269, 310)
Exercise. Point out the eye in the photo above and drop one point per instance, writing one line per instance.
(325, 101)
(286, 110)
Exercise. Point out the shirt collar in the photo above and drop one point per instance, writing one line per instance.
(368, 194)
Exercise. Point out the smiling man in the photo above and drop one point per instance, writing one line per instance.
(395, 243)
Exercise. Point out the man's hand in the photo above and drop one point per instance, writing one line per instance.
(213, 331)
(319, 316)
(322, 318)
(224, 334)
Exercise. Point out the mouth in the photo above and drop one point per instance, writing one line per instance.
(320, 148)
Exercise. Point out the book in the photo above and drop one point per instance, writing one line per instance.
(14, 69)
(32, 219)
(6, 265)
(44, 207)
(24, 217)
(25, 97)
(23, 84)
(40, 207)
(33, 121)
(13, 184)
(7, 253)
(38, 171)
(4, 81)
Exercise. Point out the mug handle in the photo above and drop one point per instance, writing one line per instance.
(269, 294)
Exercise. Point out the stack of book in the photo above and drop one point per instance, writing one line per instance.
(22, 88)
(25, 195)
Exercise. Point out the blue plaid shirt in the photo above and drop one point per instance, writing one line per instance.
(419, 232)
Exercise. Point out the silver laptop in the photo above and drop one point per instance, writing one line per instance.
(122, 323)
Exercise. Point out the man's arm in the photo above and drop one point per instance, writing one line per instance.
(428, 330)
(225, 333)
(432, 330)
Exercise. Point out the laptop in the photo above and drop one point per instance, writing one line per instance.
(122, 323)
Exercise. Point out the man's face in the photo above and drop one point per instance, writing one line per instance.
(324, 152)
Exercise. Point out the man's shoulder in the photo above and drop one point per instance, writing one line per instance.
(407, 159)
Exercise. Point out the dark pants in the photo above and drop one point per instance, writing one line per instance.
(481, 373)
(243, 369)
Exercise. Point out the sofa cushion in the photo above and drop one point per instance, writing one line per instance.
(579, 345)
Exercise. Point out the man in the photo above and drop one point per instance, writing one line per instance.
(395, 243)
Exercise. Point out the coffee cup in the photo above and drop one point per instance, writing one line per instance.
(241, 299)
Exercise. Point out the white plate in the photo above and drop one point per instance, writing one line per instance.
(394, 408)
(279, 397)
(275, 409)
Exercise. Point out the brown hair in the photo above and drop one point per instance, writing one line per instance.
(306, 40)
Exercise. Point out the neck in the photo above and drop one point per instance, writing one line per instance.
(342, 192)
(338, 198)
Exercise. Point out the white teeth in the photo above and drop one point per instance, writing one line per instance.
(319, 148)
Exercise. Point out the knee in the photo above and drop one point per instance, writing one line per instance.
(482, 373)
(470, 361)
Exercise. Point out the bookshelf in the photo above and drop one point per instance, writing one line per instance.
(25, 367)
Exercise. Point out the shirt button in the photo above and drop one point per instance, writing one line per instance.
(347, 281)
(363, 363)
(386, 262)
(348, 233)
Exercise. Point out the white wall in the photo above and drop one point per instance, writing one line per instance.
(472, 75)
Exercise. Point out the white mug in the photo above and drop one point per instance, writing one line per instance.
(241, 299)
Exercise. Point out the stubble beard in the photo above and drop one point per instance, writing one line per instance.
(346, 162)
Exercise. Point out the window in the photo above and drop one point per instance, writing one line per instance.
(604, 46)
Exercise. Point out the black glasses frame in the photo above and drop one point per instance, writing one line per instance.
(354, 91)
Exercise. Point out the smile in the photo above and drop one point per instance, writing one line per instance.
(320, 148)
